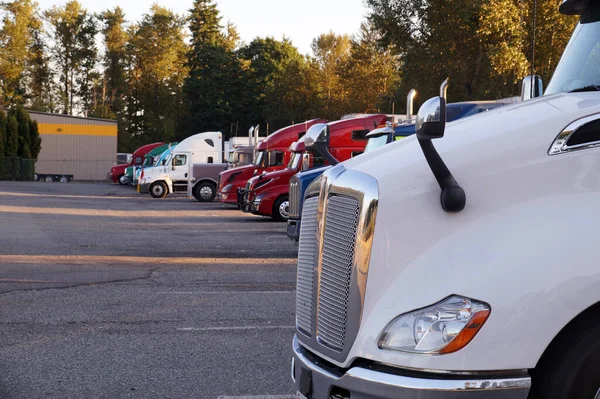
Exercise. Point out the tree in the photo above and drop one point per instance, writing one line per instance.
(157, 72)
(115, 40)
(2, 144)
(24, 140)
(482, 45)
(331, 52)
(371, 73)
(40, 96)
(19, 25)
(272, 75)
(11, 147)
(34, 138)
(73, 52)
(214, 85)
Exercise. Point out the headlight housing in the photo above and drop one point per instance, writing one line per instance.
(227, 188)
(443, 328)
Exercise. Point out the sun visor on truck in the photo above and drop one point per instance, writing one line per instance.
(574, 7)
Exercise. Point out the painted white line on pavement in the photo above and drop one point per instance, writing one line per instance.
(236, 328)
(259, 397)
(224, 292)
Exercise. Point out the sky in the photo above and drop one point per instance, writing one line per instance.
(298, 20)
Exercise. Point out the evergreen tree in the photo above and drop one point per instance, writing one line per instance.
(214, 86)
(2, 145)
(73, 52)
(157, 73)
(11, 147)
(24, 150)
(40, 96)
(35, 139)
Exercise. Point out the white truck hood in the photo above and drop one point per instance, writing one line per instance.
(421, 254)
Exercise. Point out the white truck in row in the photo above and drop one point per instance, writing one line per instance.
(467, 269)
(193, 166)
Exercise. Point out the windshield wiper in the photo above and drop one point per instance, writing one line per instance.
(586, 88)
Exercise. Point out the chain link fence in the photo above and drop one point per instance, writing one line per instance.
(13, 168)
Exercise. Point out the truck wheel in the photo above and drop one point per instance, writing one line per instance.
(281, 209)
(159, 189)
(205, 192)
(572, 370)
(36, 177)
(49, 179)
(121, 180)
(64, 179)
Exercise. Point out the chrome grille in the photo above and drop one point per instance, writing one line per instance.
(341, 223)
(294, 198)
(306, 267)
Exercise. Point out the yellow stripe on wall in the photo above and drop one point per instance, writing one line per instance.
(78, 130)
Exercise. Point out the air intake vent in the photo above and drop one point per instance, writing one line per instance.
(341, 223)
(306, 267)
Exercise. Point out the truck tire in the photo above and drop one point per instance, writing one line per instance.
(205, 192)
(572, 370)
(48, 179)
(281, 209)
(64, 179)
(121, 181)
(159, 189)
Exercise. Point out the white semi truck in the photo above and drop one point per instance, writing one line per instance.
(467, 269)
(192, 168)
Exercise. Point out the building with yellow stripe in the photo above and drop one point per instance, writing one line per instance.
(83, 147)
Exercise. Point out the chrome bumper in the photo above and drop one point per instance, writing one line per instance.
(316, 382)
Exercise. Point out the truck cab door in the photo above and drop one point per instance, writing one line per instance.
(180, 167)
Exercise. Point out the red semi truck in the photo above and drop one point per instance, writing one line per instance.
(268, 193)
(271, 154)
(137, 159)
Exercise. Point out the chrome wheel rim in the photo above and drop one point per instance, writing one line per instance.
(63, 179)
(206, 192)
(122, 179)
(284, 209)
(48, 179)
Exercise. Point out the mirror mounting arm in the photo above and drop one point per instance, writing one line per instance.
(453, 197)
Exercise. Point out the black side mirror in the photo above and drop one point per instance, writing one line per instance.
(173, 163)
(316, 141)
(430, 125)
(431, 119)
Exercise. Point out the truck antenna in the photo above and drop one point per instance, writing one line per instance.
(533, 46)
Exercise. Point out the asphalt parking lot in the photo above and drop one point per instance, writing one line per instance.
(105, 293)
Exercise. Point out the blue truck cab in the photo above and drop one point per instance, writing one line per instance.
(375, 139)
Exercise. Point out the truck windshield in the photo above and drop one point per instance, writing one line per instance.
(376, 141)
(579, 67)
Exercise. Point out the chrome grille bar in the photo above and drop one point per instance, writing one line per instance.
(341, 223)
(294, 198)
(306, 264)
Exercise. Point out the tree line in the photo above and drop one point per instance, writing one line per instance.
(168, 76)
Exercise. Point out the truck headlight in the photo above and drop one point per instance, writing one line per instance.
(445, 327)
(227, 188)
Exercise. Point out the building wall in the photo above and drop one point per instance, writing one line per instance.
(83, 147)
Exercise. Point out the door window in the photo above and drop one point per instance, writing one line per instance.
(210, 160)
(180, 160)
